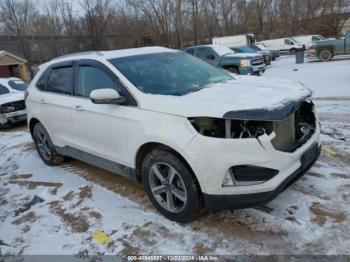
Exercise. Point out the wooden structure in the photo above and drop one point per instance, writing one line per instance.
(13, 66)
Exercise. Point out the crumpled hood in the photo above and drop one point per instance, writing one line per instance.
(248, 97)
(11, 97)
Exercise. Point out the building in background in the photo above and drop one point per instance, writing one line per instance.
(13, 66)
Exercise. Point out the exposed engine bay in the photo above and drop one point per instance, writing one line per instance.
(291, 132)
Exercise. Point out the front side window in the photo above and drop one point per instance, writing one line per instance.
(287, 42)
(169, 73)
(61, 80)
(205, 53)
(18, 85)
(93, 78)
(3, 90)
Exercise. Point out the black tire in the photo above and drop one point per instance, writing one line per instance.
(232, 70)
(292, 51)
(325, 55)
(164, 160)
(45, 147)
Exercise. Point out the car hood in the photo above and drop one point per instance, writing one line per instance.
(243, 55)
(11, 97)
(247, 97)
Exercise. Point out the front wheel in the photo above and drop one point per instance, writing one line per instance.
(292, 51)
(232, 70)
(45, 146)
(170, 186)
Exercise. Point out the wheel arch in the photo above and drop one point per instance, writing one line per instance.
(32, 123)
(320, 48)
(150, 146)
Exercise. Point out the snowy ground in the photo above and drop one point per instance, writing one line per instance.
(311, 217)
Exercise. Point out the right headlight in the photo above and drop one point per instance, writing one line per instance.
(245, 63)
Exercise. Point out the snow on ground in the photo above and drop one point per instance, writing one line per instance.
(326, 79)
(311, 217)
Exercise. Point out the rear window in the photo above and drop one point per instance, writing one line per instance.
(18, 85)
(61, 80)
(3, 90)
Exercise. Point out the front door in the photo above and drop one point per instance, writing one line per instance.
(99, 129)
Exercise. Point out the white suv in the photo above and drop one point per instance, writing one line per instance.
(194, 135)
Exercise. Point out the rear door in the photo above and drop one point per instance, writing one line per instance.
(99, 129)
(52, 100)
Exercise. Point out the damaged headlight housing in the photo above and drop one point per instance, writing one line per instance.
(6, 109)
(227, 128)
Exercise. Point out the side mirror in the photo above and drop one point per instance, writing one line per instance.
(210, 57)
(106, 96)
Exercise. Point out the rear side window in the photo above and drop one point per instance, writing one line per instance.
(93, 78)
(3, 90)
(18, 85)
(60, 80)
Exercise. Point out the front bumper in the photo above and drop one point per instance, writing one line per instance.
(13, 117)
(220, 202)
(211, 158)
(252, 70)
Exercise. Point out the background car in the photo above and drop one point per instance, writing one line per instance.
(224, 57)
(260, 47)
(12, 105)
(247, 49)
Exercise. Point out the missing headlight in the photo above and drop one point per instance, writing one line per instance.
(221, 128)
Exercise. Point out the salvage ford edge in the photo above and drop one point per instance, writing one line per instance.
(196, 136)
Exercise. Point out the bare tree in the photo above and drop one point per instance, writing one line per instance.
(18, 17)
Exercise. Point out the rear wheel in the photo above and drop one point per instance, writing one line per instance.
(45, 146)
(325, 55)
(170, 186)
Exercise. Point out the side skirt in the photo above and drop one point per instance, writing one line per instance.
(97, 161)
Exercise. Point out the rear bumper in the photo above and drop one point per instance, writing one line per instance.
(220, 202)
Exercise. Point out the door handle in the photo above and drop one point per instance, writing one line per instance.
(78, 108)
(42, 101)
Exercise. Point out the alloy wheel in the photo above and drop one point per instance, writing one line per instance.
(167, 187)
(43, 146)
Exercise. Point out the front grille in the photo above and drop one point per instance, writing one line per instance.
(257, 62)
(296, 129)
(17, 105)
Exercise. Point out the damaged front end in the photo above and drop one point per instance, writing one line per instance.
(12, 112)
(290, 131)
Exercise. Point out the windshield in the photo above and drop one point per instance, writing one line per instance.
(321, 37)
(247, 49)
(169, 73)
(3, 90)
(18, 85)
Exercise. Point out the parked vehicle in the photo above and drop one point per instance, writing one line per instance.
(325, 50)
(12, 105)
(221, 56)
(307, 40)
(234, 40)
(196, 136)
(247, 49)
(283, 44)
(260, 47)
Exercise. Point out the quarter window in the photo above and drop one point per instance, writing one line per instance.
(93, 78)
(3, 90)
(61, 80)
